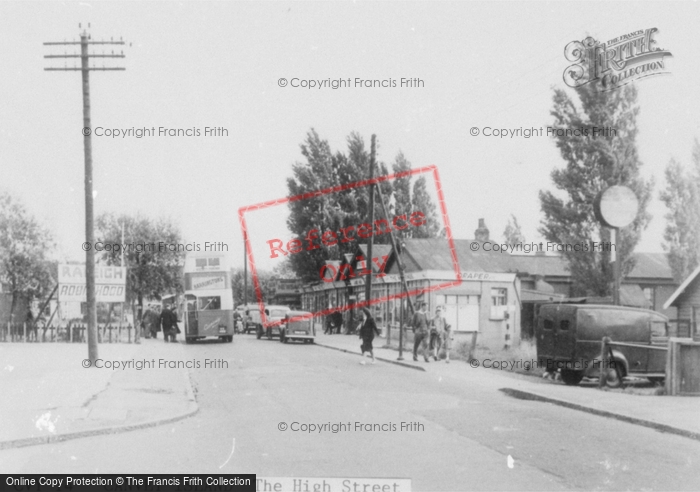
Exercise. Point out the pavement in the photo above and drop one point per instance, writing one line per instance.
(48, 395)
(673, 414)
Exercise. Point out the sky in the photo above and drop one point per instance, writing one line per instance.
(191, 65)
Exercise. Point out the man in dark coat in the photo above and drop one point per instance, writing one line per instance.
(368, 328)
(168, 321)
(152, 322)
(421, 335)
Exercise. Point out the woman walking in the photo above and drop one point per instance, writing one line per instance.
(368, 328)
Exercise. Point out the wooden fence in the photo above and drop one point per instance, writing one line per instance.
(683, 367)
(72, 333)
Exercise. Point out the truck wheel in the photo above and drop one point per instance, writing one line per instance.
(611, 377)
(571, 378)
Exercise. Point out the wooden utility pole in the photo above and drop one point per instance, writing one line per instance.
(368, 260)
(85, 69)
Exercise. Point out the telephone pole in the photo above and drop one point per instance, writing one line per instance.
(85, 68)
(368, 260)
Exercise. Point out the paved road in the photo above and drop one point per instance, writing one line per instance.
(466, 433)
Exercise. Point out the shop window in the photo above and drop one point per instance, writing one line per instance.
(499, 297)
(499, 301)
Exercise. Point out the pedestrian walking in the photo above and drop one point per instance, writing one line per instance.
(337, 321)
(368, 328)
(421, 334)
(168, 322)
(440, 335)
(153, 322)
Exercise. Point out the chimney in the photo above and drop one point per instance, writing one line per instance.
(482, 233)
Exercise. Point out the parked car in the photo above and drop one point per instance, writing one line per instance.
(272, 313)
(298, 329)
(569, 339)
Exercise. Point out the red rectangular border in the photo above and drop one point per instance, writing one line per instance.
(335, 189)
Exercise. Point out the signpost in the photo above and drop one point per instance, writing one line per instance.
(616, 207)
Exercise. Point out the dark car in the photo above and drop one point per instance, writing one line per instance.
(298, 329)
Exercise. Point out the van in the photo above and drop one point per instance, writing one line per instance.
(251, 318)
(569, 339)
(272, 314)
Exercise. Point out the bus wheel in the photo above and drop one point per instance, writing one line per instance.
(571, 378)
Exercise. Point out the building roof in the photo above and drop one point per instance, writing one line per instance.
(434, 254)
(681, 289)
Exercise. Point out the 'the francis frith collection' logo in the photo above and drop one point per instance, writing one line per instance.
(615, 63)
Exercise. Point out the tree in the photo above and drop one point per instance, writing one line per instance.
(332, 211)
(513, 234)
(596, 158)
(23, 247)
(682, 233)
(402, 190)
(267, 285)
(152, 255)
(422, 202)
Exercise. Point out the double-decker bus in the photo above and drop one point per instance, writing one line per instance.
(208, 298)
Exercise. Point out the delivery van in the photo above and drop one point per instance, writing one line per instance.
(569, 339)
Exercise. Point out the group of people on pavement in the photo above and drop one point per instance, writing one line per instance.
(154, 321)
(432, 335)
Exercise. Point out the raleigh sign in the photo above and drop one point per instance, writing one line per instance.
(110, 283)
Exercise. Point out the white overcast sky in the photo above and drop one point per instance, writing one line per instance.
(197, 64)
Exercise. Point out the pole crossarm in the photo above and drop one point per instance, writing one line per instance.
(67, 69)
(63, 43)
(80, 56)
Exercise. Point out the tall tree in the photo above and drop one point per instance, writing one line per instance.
(421, 202)
(682, 198)
(323, 169)
(603, 155)
(513, 234)
(152, 257)
(23, 247)
(402, 189)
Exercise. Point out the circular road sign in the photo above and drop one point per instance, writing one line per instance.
(617, 206)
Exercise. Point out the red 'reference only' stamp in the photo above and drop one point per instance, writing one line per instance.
(260, 242)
